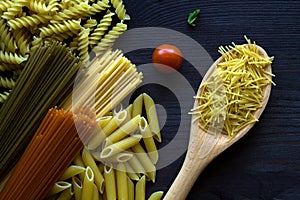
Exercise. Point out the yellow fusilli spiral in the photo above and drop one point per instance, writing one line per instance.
(6, 39)
(39, 7)
(110, 38)
(3, 96)
(99, 6)
(15, 8)
(83, 44)
(90, 24)
(4, 5)
(27, 21)
(9, 67)
(120, 9)
(53, 6)
(12, 58)
(7, 82)
(101, 28)
(70, 25)
(78, 11)
(35, 43)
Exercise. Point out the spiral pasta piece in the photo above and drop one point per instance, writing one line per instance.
(6, 39)
(77, 11)
(7, 82)
(110, 38)
(70, 25)
(38, 6)
(35, 43)
(90, 24)
(4, 5)
(99, 6)
(15, 8)
(27, 21)
(120, 9)
(101, 28)
(53, 6)
(3, 96)
(83, 44)
(12, 58)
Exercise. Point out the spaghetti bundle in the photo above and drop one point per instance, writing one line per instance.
(54, 146)
(47, 80)
(235, 90)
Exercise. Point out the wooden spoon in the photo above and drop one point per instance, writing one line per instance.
(204, 147)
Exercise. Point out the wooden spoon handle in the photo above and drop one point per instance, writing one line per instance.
(185, 180)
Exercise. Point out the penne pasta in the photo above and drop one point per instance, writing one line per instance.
(131, 172)
(95, 193)
(103, 121)
(78, 161)
(156, 195)
(110, 127)
(122, 145)
(136, 165)
(124, 130)
(77, 187)
(140, 189)
(118, 158)
(59, 187)
(130, 186)
(152, 116)
(110, 182)
(137, 106)
(148, 140)
(145, 161)
(89, 161)
(88, 184)
(129, 111)
(72, 171)
(66, 194)
(122, 187)
(117, 109)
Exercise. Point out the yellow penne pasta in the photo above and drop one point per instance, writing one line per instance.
(110, 182)
(110, 127)
(145, 161)
(117, 109)
(95, 192)
(152, 116)
(103, 121)
(136, 165)
(137, 106)
(59, 187)
(148, 140)
(156, 195)
(88, 184)
(122, 145)
(89, 161)
(77, 187)
(131, 172)
(124, 130)
(129, 110)
(72, 171)
(118, 158)
(140, 189)
(66, 194)
(122, 188)
(130, 186)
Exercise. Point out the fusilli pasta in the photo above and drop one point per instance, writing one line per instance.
(27, 21)
(3, 96)
(12, 58)
(7, 82)
(83, 44)
(120, 9)
(70, 25)
(15, 8)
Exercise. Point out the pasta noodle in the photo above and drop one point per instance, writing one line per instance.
(148, 140)
(243, 77)
(66, 194)
(71, 171)
(122, 145)
(122, 191)
(88, 184)
(156, 195)
(3, 96)
(110, 182)
(7, 82)
(58, 187)
(83, 44)
(140, 189)
(77, 187)
(120, 9)
(137, 106)
(130, 189)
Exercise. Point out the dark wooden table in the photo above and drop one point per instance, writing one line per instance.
(265, 164)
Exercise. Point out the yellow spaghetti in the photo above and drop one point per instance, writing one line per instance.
(235, 90)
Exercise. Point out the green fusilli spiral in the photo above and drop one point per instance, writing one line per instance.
(27, 21)
(12, 58)
(3, 96)
(7, 82)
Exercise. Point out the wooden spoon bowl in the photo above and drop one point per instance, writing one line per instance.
(204, 147)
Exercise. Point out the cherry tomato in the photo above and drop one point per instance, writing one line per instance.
(167, 58)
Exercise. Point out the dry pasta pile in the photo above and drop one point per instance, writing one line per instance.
(118, 160)
(235, 91)
(84, 26)
(52, 149)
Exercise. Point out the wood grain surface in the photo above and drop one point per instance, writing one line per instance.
(265, 164)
